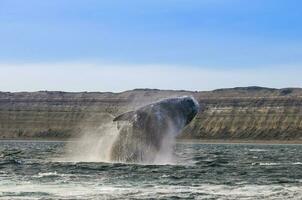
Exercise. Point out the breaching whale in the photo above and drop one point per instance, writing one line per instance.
(142, 132)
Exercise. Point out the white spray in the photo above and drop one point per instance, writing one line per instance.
(97, 145)
(94, 145)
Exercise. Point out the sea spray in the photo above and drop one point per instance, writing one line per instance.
(145, 136)
(94, 145)
(97, 146)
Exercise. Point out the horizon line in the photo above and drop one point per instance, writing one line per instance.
(156, 89)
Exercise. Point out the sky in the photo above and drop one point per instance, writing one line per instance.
(95, 45)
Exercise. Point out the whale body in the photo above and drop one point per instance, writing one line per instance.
(142, 132)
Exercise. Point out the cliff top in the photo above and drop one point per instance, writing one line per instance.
(252, 91)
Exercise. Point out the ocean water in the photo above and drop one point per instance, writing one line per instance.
(38, 170)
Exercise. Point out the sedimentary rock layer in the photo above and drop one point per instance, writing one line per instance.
(238, 113)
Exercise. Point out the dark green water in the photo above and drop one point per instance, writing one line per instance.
(29, 170)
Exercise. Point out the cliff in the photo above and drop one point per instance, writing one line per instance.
(251, 113)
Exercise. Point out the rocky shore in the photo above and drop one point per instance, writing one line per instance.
(238, 114)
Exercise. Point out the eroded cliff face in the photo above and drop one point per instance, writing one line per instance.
(239, 113)
(278, 118)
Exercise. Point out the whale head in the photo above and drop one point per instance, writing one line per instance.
(185, 107)
(190, 108)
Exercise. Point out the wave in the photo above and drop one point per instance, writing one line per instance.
(47, 174)
(269, 164)
(157, 191)
(258, 150)
(275, 164)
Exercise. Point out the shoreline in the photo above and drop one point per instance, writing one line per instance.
(195, 141)
(238, 141)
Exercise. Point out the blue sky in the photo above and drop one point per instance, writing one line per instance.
(221, 43)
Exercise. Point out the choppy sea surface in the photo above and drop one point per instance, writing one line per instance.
(32, 170)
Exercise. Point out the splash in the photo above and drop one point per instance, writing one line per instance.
(94, 145)
(144, 136)
(97, 146)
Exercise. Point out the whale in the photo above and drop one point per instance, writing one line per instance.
(144, 132)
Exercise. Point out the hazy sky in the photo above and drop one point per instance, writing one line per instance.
(115, 45)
